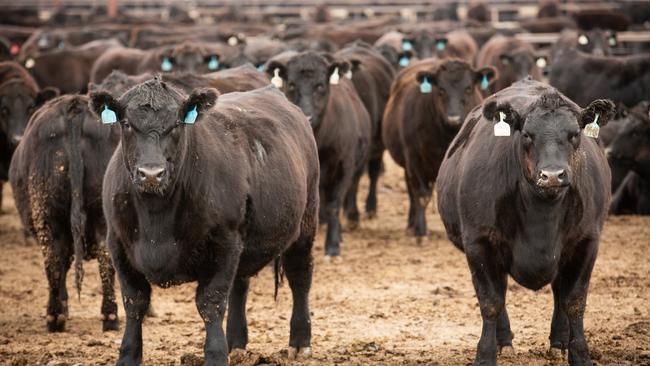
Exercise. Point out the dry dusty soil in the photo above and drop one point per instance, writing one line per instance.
(389, 302)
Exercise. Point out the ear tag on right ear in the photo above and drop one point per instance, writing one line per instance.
(541, 62)
(276, 79)
(233, 41)
(407, 46)
(334, 78)
(30, 63)
(404, 61)
(214, 63)
(440, 45)
(166, 65)
(484, 82)
(190, 116)
(501, 128)
(425, 86)
(592, 129)
(260, 67)
(108, 116)
(349, 74)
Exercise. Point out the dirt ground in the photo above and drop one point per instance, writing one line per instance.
(389, 302)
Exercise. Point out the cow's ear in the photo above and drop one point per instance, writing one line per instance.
(600, 111)
(440, 43)
(272, 66)
(107, 108)
(201, 100)
(46, 94)
(485, 77)
(492, 112)
(355, 64)
(342, 65)
(621, 111)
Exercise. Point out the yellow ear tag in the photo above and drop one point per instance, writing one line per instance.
(276, 80)
(334, 78)
(501, 128)
(592, 130)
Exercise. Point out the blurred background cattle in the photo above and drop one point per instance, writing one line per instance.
(368, 76)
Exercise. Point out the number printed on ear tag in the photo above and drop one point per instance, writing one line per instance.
(404, 61)
(425, 86)
(191, 115)
(501, 128)
(276, 79)
(334, 78)
(407, 46)
(592, 129)
(484, 82)
(108, 116)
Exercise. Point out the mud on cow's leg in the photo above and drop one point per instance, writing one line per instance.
(107, 274)
(298, 267)
(58, 258)
(236, 328)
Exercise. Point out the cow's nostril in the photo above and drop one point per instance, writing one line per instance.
(141, 174)
(543, 176)
(160, 175)
(562, 175)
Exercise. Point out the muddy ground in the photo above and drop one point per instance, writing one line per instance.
(389, 302)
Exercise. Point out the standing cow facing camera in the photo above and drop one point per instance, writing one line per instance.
(427, 106)
(340, 124)
(209, 190)
(531, 205)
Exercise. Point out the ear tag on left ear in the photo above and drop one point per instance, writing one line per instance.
(404, 61)
(440, 45)
(260, 67)
(166, 65)
(541, 62)
(108, 116)
(349, 74)
(484, 82)
(592, 129)
(214, 63)
(407, 46)
(501, 128)
(425, 86)
(276, 79)
(612, 41)
(334, 78)
(233, 41)
(190, 116)
(30, 63)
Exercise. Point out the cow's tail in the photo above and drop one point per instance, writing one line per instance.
(278, 275)
(76, 177)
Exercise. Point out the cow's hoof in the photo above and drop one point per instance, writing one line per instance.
(419, 240)
(110, 322)
(299, 354)
(370, 215)
(56, 323)
(353, 224)
(556, 353)
(151, 312)
(506, 350)
(237, 355)
(334, 259)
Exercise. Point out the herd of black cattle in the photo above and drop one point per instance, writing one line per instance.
(174, 153)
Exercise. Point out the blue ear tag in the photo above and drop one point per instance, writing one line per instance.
(425, 86)
(61, 45)
(108, 116)
(166, 65)
(440, 45)
(260, 67)
(214, 63)
(191, 115)
(407, 46)
(484, 82)
(404, 61)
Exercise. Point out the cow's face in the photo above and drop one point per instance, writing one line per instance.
(549, 138)
(596, 42)
(18, 101)
(307, 82)
(153, 117)
(190, 58)
(632, 145)
(518, 64)
(456, 88)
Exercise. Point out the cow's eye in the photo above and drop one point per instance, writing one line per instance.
(443, 92)
(320, 87)
(30, 109)
(573, 137)
(468, 90)
(528, 138)
(126, 125)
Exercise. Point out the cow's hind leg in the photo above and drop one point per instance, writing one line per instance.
(58, 258)
(298, 266)
(374, 171)
(504, 333)
(236, 328)
(350, 203)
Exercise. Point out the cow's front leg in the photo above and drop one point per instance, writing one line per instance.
(212, 295)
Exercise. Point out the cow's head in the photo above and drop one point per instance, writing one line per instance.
(517, 64)
(631, 146)
(455, 88)
(596, 42)
(189, 57)
(153, 116)
(18, 100)
(306, 81)
(548, 136)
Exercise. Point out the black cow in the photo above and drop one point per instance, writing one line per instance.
(372, 76)
(630, 150)
(20, 96)
(396, 49)
(209, 191)
(341, 126)
(621, 79)
(427, 106)
(596, 42)
(56, 176)
(531, 205)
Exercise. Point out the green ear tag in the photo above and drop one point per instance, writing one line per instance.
(592, 129)
(425, 86)
(108, 116)
(191, 115)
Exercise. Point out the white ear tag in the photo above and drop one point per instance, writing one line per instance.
(349, 74)
(583, 40)
(592, 128)
(30, 63)
(233, 41)
(501, 128)
(334, 78)
(276, 79)
(541, 62)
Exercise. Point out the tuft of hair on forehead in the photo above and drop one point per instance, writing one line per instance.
(453, 67)
(552, 100)
(154, 94)
(307, 61)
